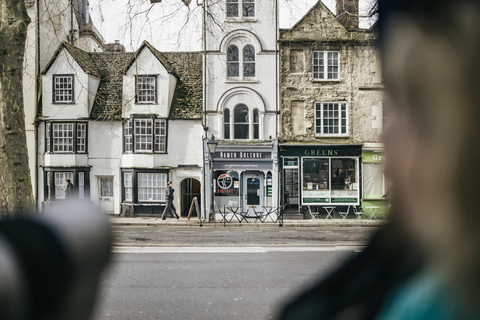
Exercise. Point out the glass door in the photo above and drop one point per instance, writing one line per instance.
(253, 192)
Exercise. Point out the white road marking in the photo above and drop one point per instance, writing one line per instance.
(233, 249)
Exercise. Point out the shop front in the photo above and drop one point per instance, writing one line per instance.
(245, 178)
(375, 186)
(319, 175)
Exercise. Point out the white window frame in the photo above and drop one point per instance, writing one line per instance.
(145, 135)
(143, 132)
(251, 124)
(110, 180)
(241, 4)
(146, 89)
(59, 181)
(160, 139)
(81, 137)
(319, 109)
(128, 136)
(63, 137)
(128, 186)
(151, 186)
(323, 61)
(63, 88)
(66, 137)
(241, 63)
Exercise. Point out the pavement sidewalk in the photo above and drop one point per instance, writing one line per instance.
(194, 222)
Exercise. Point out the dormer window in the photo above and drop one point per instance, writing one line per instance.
(63, 88)
(146, 89)
(248, 8)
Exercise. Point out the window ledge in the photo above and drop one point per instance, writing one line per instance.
(327, 80)
(240, 20)
(332, 136)
(62, 103)
(241, 81)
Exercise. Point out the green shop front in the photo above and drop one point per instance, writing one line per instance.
(319, 176)
(374, 186)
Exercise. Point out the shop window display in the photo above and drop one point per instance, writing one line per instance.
(330, 180)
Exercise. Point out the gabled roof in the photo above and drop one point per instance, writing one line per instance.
(110, 68)
(107, 104)
(316, 6)
(188, 98)
(163, 60)
(317, 27)
(83, 59)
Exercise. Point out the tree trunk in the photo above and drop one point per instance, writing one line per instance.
(16, 195)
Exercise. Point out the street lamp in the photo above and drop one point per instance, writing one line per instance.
(212, 145)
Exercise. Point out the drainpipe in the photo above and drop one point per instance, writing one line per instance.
(37, 86)
(204, 101)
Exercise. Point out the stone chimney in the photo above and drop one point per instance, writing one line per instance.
(347, 13)
(114, 47)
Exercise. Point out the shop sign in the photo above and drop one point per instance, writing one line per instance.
(321, 150)
(243, 155)
(224, 165)
(316, 200)
(373, 157)
(344, 200)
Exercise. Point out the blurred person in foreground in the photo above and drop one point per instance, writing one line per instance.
(424, 263)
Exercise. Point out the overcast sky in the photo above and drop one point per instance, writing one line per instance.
(170, 25)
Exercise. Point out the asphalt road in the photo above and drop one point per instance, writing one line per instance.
(218, 273)
(241, 236)
(208, 283)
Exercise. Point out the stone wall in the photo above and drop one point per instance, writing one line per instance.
(359, 85)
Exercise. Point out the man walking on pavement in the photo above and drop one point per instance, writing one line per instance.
(169, 198)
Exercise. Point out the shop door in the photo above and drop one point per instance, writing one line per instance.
(290, 190)
(105, 192)
(253, 192)
(190, 188)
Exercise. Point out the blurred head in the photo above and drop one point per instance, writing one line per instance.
(432, 74)
(169, 183)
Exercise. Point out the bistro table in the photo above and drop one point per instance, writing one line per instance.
(329, 212)
(373, 210)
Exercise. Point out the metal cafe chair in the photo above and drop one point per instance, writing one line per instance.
(313, 214)
(344, 214)
(358, 213)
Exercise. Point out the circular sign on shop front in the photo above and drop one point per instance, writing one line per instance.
(224, 181)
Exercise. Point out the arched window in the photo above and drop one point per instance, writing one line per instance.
(256, 125)
(233, 64)
(226, 124)
(248, 61)
(240, 120)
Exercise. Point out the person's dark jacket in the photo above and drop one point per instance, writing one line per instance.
(169, 193)
(69, 191)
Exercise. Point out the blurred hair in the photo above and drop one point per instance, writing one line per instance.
(432, 72)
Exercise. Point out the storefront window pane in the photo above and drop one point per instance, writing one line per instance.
(344, 180)
(316, 180)
(227, 189)
(373, 182)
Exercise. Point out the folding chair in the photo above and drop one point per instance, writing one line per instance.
(344, 214)
(358, 213)
(313, 214)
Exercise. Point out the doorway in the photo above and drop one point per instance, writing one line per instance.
(189, 188)
(253, 191)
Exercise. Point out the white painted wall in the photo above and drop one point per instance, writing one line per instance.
(148, 64)
(65, 64)
(261, 91)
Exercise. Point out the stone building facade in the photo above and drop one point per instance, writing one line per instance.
(331, 97)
